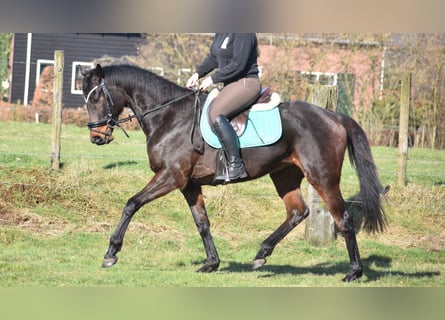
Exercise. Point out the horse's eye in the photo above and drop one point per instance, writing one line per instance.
(94, 98)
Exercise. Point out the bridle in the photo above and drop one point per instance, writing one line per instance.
(110, 121)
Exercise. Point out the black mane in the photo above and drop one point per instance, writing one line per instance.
(131, 77)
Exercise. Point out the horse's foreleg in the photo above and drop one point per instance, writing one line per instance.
(157, 187)
(193, 195)
(117, 238)
(287, 182)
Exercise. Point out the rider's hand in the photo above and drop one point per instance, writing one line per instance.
(206, 83)
(192, 81)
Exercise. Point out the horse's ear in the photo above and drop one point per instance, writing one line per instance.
(99, 71)
(84, 72)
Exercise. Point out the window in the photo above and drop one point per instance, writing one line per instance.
(77, 75)
(41, 65)
(157, 70)
(345, 83)
(323, 78)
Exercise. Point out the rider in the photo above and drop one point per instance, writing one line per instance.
(235, 56)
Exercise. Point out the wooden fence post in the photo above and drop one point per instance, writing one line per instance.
(57, 109)
(403, 128)
(320, 226)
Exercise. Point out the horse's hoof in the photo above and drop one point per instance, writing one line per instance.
(108, 262)
(258, 263)
(352, 276)
(208, 267)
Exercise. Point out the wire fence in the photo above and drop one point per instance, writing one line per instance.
(429, 171)
(32, 150)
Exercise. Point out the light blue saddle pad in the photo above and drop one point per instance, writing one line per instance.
(262, 127)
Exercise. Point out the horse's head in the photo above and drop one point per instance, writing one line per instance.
(104, 104)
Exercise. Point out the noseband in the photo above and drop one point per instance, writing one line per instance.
(109, 121)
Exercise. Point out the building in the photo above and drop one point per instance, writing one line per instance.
(32, 52)
(356, 68)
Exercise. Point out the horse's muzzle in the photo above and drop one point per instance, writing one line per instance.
(101, 135)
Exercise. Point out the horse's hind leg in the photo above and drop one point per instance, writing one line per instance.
(336, 206)
(287, 182)
(193, 195)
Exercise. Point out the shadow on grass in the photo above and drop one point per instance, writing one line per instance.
(120, 164)
(371, 274)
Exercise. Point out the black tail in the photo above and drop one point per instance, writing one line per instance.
(371, 190)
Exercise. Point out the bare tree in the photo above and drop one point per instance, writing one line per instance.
(176, 54)
(375, 104)
(424, 56)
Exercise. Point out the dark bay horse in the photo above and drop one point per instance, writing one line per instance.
(312, 146)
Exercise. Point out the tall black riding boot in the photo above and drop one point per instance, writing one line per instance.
(230, 144)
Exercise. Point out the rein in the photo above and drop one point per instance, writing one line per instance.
(196, 114)
(170, 102)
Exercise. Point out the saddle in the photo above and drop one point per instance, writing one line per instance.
(258, 125)
(266, 101)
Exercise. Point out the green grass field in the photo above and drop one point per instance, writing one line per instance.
(54, 226)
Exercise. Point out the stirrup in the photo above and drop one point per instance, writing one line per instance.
(236, 170)
(224, 176)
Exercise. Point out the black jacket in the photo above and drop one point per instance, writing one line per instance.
(234, 54)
